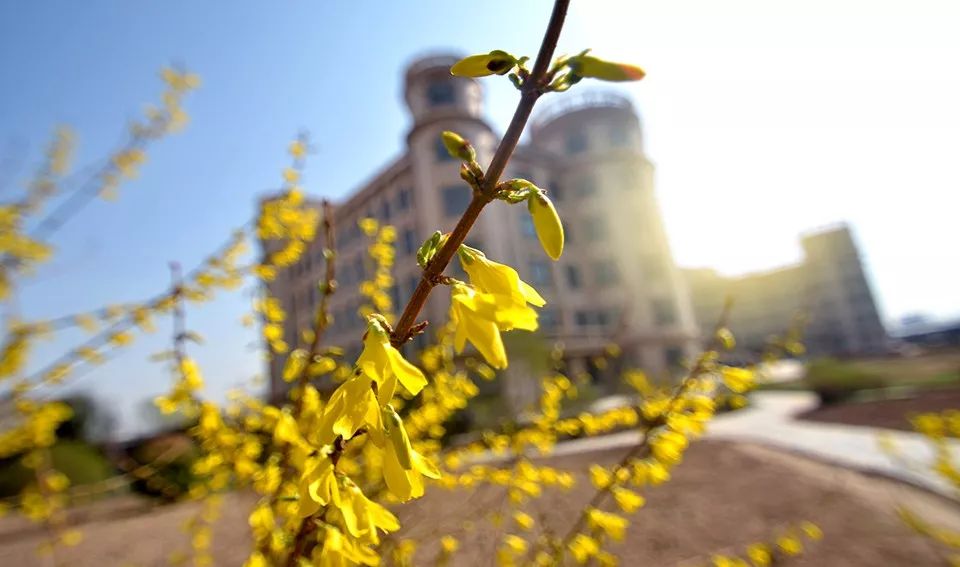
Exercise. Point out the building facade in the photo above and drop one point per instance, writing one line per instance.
(829, 288)
(616, 281)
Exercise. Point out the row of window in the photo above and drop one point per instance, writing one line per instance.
(578, 141)
(387, 208)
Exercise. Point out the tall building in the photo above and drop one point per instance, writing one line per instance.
(616, 281)
(828, 287)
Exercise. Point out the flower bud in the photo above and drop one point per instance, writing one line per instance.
(547, 223)
(458, 147)
(588, 66)
(496, 62)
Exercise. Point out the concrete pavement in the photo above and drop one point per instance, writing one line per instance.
(769, 421)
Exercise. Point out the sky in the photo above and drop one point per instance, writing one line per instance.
(765, 119)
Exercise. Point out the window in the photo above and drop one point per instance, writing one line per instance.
(440, 93)
(403, 199)
(526, 226)
(441, 151)
(540, 273)
(585, 187)
(455, 199)
(596, 229)
(582, 318)
(587, 318)
(549, 319)
(620, 136)
(385, 211)
(576, 142)
(573, 277)
(607, 272)
(674, 357)
(663, 312)
(409, 241)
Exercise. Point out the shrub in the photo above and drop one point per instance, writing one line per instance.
(81, 462)
(836, 382)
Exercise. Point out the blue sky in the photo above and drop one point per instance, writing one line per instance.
(775, 116)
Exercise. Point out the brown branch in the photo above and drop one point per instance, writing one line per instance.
(642, 448)
(531, 90)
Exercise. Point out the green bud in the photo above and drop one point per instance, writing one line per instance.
(589, 66)
(515, 190)
(294, 365)
(496, 62)
(458, 147)
(397, 435)
(428, 249)
(726, 339)
(547, 223)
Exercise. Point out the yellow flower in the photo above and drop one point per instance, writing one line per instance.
(340, 551)
(384, 363)
(789, 545)
(499, 62)
(759, 555)
(547, 223)
(403, 466)
(524, 520)
(362, 517)
(738, 380)
(668, 446)
(499, 280)
(611, 524)
(473, 315)
(583, 547)
(449, 544)
(297, 149)
(351, 406)
(812, 530)
(628, 500)
(318, 487)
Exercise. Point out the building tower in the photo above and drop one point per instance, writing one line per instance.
(616, 282)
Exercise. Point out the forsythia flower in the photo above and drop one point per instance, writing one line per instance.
(473, 315)
(502, 282)
(403, 466)
(351, 406)
(363, 517)
(318, 487)
(583, 547)
(613, 525)
(738, 380)
(384, 363)
(338, 550)
(628, 500)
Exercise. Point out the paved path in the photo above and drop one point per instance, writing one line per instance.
(769, 421)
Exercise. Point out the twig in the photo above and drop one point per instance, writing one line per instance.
(531, 91)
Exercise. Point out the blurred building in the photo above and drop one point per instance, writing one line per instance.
(828, 287)
(616, 281)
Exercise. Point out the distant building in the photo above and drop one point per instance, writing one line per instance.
(828, 287)
(923, 332)
(616, 282)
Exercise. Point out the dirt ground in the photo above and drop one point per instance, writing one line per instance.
(724, 495)
(889, 414)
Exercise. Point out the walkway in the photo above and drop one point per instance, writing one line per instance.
(769, 421)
